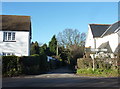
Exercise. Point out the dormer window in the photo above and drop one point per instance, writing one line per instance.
(9, 36)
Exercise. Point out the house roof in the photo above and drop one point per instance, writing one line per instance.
(117, 50)
(98, 29)
(112, 29)
(106, 45)
(15, 23)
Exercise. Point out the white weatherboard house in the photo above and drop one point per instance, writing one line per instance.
(104, 36)
(15, 35)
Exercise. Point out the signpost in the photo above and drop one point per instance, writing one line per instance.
(94, 51)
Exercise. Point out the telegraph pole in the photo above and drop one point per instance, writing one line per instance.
(57, 49)
(94, 54)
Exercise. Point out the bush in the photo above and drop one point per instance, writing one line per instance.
(10, 66)
(29, 64)
(99, 63)
(43, 63)
(35, 55)
(103, 67)
(84, 63)
(34, 64)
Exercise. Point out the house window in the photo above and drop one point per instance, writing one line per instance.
(7, 54)
(9, 36)
(13, 36)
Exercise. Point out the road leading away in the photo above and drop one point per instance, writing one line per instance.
(61, 77)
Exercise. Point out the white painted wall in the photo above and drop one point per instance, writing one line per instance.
(112, 39)
(89, 40)
(118, 36)
(20, 47)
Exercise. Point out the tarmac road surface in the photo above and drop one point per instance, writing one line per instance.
(59, 78)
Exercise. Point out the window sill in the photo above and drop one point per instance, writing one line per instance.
(9, 41)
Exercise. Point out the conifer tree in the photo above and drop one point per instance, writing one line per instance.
(53, 45)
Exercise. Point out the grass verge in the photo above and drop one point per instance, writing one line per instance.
(98, 72)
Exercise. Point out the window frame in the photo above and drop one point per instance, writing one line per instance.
(9, 36)
(7, 54)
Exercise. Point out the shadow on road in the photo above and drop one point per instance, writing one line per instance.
(61, 70)
(61, 77)
(61, 82)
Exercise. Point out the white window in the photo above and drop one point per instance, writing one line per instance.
(9, 36)
(7, 54)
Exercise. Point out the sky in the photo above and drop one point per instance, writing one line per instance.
(50, 18)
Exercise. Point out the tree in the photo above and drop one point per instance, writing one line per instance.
(63, 53)
(34, 49)
(73, 41)
(71, 37)
(76, 52)
(45, 50)
(53, 45)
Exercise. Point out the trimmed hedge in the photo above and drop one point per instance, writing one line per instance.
(99, 63)
(14, 66)
(34, 64)
(103, 67)
(30, 64)
(10, 66)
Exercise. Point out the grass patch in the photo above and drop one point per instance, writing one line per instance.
(98, 72)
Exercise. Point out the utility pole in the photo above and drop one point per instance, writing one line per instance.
(93, 62)
(94, 54)
(57, 49)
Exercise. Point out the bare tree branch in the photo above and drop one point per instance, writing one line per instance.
(71, 37)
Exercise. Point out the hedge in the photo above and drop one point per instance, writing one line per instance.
(34, 64)
(103, 67)
(99, 63)
(10, 66)
(30, 64)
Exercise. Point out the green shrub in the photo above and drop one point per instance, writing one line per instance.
(29, 64)
(35, 55)
(10, 66)
(102, 67)
(99, 63)
(34, 64)
(84, 63)
(43, 63)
